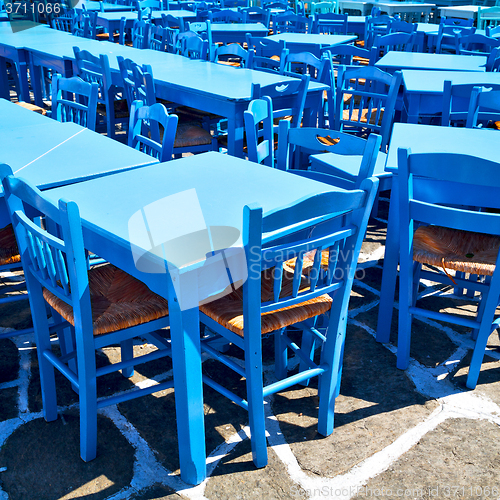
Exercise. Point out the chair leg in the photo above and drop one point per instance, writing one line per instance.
(255, 398)
(127, 353)
(407, 285)
(280, 354)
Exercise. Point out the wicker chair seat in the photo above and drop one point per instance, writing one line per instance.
(32, 107)
(464, 251)
(190, 134)
(188, 113)
(364, 114)
(228, 310)
(117, 299)
(9, 253)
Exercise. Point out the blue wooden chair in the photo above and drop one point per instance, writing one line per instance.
(330, 24)
(234, 54)
(141, 34)
(289, 22)
(403, 42)
(160, 38)
(267, 53)
(132, 77)
(64, 22)
(275, 296)
(74, 100)
(288, 98)
(190, 44)
(227, 16)
(170, 21)
(258, 15)
(259, 131)
(321, 71)
(365, 101)
(438, 229)
(228, 4)
(102, 307)
(351, 55)
(447, 35)
(456, 101)
(484, 108)
(476, 44)
(145, 133)
(375, 26)
(351, 159)
(111, 107)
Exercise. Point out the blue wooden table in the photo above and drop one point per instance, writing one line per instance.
(112, 219)
(49, 153)
(305, 42)
(210, 87)
(423, 96)
(422, 139)
(395, 61)
(107, 7)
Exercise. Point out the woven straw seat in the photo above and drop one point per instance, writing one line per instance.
(228, 311)
(32, 107)
(118, 301)
(188, 113)
(9, 253)
(364, 115)
(190, 134)
(464, 251)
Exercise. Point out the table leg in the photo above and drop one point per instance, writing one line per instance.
(4, 79)
(186, 359)
(390, 271)
(22, 68)
(235, 129)
(413, 107)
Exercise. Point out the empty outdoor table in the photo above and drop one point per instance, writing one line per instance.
(422, 139)
(236, 32)
(112, 219)
(107, 7)
(423, 96)
(305, 42)
(396, 60)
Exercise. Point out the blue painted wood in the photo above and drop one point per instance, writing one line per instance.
(54, 259)
(107, 231)
(421, 139)
(259, 124)
(438, 188)
(306, 42)
(484, 106)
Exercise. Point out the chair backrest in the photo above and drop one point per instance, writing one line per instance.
(159, 38)
(145, 133)
(484, 107)
(320, 70)
(132, 76)
(53, 257)
(94, 69)
(140, 34)
(289, 97)
(432, 185)
(235, 55)
(351, 55)
(383, 44)
(365, 101)
(258, 14)
(203, 29)
(295, 145)
(267, 53)
(170, 21)
(476, 44)
(330, 23)
(74, 100)
(492, 30)
(324, 7)
(65, 22)
(289, 22)
(193, 46)
(403, 27)
(457, 22)
(456, 101)
(227, 4)
(140, 5)
(340, 237)
(259, 130)
(227, 16)
(374, 26)
(493, 60)
(447, 34)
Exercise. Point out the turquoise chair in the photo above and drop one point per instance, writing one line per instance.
(111, 108)
(74, 100)
(279, 293)
(144, 131)
(440, 231)
(475, 44)
(329, 23)
(103, 306)
(259, 131)
(484, 107)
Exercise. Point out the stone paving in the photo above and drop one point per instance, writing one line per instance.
(418, 434)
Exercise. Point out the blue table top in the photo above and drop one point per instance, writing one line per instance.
(432, 139)
(396, 60)
(156, 14)
(49, 153)
(416, 81)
